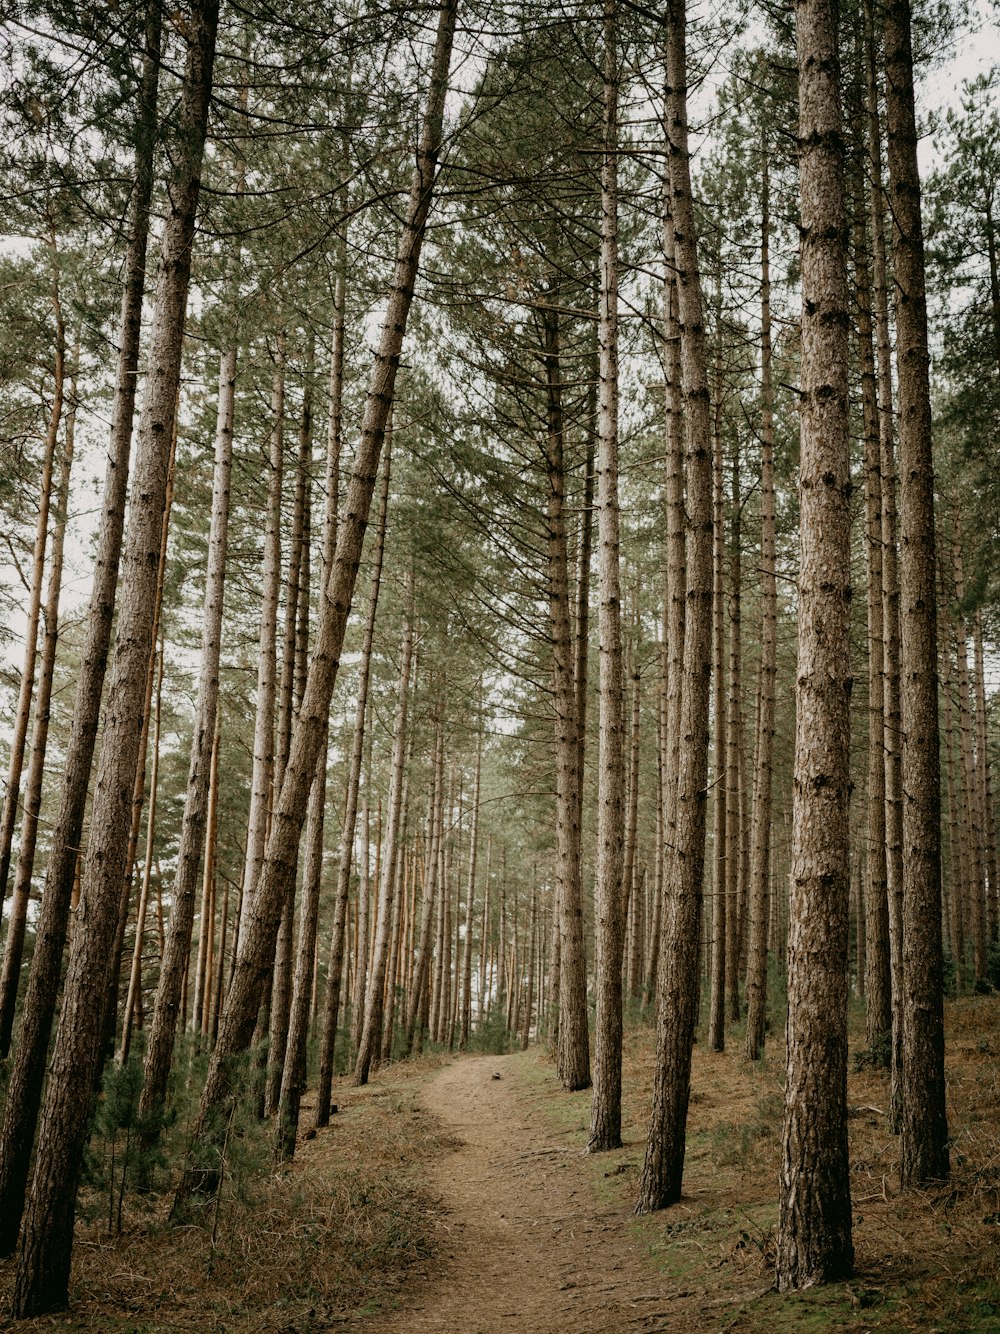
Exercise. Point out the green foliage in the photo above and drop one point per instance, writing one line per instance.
(122, 1155)
(489, 1036)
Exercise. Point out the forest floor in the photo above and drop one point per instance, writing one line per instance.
(443, 1198)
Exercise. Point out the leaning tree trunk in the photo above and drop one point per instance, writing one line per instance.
(295, 650)
(814, 1228)
(41, 1281)
(294, 1072)
(677, 983)
(335, 970)
(24, 1088)
(609, 887)
(924, 1148)
(163, 1028)
(256, 949)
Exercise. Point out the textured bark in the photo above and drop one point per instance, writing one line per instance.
(630, 873)
(610, 887)
(46, 1238)
(675, 591)
(954, 897)
(14, 943)
(22, 713)
(877, 988)
(890, 580)
(720, 779)
(972, 821)
(573, 1049)
(924, 1143)
(735, 880)
(166, 1009)
(294, 652)
(421, 967)
(262, 781)
(677, 984)
(293, 1080)
(150, 716)
(25, 1085)
(256, 949)
(814, 1229)
(331, 1004)
(371, 1032)
(151, 724)
(985, 777)
(470, 895)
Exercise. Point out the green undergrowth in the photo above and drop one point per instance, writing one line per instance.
(305, 1246)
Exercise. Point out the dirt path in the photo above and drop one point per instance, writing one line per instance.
(527, 1247)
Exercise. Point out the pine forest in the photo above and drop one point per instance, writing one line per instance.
(500, 665)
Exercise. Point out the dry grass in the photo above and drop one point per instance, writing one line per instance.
(925, 1261)
(308, 1247)
(338, 1235)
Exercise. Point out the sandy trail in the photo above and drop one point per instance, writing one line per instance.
(527, 1247)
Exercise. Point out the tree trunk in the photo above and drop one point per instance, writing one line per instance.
(890, 580)
(371, 1032)
(166, 1010)
(294, 652)
(24, 1088)
(44, 1250)
(924, 1149)
(814, 1229)
(610, 888)
(971, 811)
(720, 779)
(573, 1051)
(735, 880)
(261, 787)
(152, 715)
(307, 736)
(335, 969)
(14, 944)
(677, 984)
(421, 967)
(985, 778)
(878, 993)
(466, 1020)
(22, 714)
(294, 1073)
